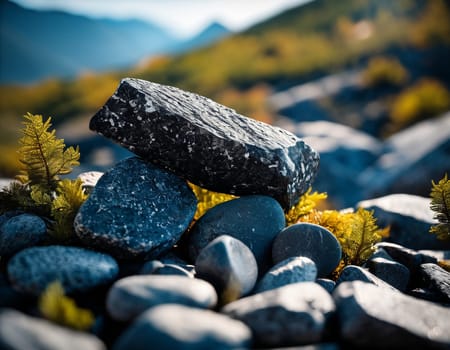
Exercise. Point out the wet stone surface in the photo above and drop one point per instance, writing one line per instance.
(136, 210)
(207, 143)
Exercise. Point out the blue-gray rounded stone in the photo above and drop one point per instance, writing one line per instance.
(136, 210)
(130, 296)
(20, 232)
(78, 269)
(178, 327)
(292, 270)
(309, 240)
(254, 220)
(229, 265)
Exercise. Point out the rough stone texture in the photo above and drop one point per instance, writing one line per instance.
(177, 327)
(409, 217)
(132, 295)
(291, 270)
(229, 265)
(207, 143)
(392, 272)
(372, 316)
(136, 210)
(19, 332)
(309, 240)
(436, 279)
(254, 220)
(295, 314)
(19, 232)
(352, 273)
(78, 269)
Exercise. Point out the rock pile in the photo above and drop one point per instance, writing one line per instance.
(239, 279)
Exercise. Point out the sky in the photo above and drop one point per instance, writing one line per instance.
(183, 18)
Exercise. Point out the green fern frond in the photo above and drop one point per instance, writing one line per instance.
(440, 204)
(42, 154)
(70, 195)
(307, 203)
(58, 308)
(40, 190)
(365, 233)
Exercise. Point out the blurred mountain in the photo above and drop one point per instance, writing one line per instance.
(214, 32)
(42, 44)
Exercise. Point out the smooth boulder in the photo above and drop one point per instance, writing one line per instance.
(309, 240)
(207, 143)
(370, 316)
(131, 296)
(178, 327)
(254, 220)
(229, 265)
(295, 314)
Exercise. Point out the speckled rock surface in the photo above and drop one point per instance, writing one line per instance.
(254, 220)
(374, 317)
(131, 296)
(178, 327)
(78, 269)
(19, 332)
(20, 232)
(136, 210)
(207, 143)
(309, 240)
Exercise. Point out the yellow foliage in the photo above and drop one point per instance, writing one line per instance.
(384, 70)
(70, 195)
(57, 307)
(426, 98)
(445, 264)
(440, 204)
(308, 201)
(207, 199)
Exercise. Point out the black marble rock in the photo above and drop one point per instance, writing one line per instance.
(207, 143)
(136, 210)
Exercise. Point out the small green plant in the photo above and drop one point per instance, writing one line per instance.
(39, 189)
(58, 308)
(440, 204)
(384, 71)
